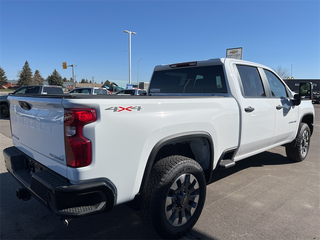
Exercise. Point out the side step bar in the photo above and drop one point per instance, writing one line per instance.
(226, 164)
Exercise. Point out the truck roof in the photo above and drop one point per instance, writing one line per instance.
(207, 62)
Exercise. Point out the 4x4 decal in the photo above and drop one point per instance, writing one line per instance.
(120, 109)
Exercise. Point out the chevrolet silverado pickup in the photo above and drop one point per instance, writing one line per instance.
(196, 117)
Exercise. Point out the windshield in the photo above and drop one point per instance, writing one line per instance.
(209, 79)
(27, 89)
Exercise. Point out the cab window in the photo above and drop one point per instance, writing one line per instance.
(278, 90)
(86, 91)
(189, 80)
(21, 90)
(29, 89)
(251, 82)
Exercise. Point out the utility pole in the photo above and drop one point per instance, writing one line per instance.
(73, 66)
(138, 71)
(65, 66)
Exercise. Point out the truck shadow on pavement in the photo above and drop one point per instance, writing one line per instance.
(259, 160)
(30, 220)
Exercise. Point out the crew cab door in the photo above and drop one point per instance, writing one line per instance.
(286, 113)
(257, 112)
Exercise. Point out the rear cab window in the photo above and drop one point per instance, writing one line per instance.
(52, 90)
(202, 80)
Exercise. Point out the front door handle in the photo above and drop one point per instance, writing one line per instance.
(249, 109)
(279, 107)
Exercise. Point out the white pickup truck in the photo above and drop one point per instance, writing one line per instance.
(163, 147)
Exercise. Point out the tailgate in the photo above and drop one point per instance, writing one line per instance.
(38, 130)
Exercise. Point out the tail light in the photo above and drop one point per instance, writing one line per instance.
(77, 147)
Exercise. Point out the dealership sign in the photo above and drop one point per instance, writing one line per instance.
(235, 53)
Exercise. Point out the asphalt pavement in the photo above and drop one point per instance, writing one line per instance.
(262, 197)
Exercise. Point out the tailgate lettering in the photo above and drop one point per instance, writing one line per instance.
(45, 127)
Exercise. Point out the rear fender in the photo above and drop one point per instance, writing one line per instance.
(194, 140)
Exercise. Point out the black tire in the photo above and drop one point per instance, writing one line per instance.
(175, 196)
(4, 110)
(298, 150)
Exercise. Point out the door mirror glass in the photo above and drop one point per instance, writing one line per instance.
(305, 91)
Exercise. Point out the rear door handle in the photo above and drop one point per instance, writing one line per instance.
(279, 107)
(249, 109)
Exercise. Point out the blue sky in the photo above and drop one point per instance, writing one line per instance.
(90, 35)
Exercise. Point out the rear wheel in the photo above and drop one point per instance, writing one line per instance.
(175, 196)
(298, 150)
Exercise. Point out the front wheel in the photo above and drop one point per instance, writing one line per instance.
(298, 150)
(4, 110)
(175, 196)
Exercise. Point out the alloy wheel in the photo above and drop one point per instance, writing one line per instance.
(182, 200)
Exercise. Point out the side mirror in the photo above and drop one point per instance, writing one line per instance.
(305, 90)
(296, 100)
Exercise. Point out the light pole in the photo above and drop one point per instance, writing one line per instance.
(138, 71)
(126, 31)
(73, 66)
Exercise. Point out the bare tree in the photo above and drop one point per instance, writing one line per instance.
(282, 72)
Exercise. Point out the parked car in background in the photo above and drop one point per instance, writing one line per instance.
(316, 97)
(132, 92)
(30, 89)
(91, 90)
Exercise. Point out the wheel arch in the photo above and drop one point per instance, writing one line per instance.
(308, 119)
(190, 144)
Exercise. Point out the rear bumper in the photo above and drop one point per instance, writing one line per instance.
(56, 192)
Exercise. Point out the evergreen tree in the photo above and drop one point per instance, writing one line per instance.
(55, 79)
(37, 78)
(3, 78)
(25, 75)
